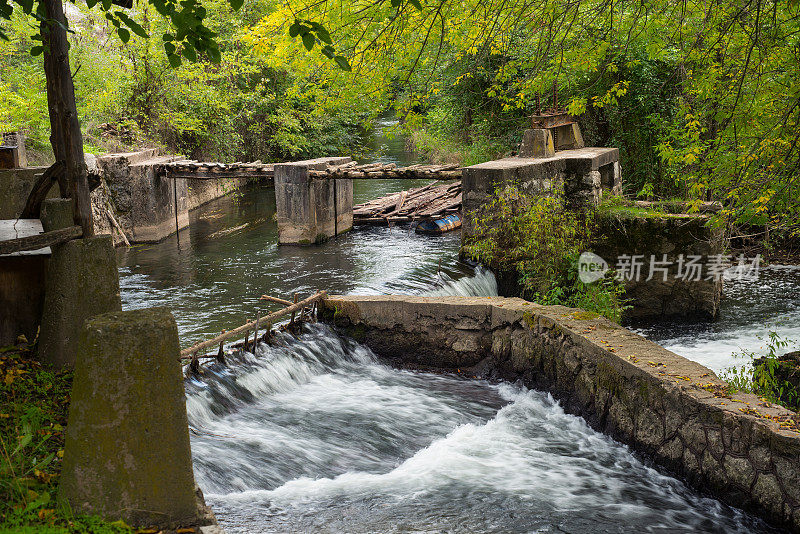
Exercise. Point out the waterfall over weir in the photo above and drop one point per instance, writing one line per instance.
(317, 434)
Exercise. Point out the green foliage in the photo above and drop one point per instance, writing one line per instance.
(762, 374)
(541, 240)
(33, 416)
(129, 94)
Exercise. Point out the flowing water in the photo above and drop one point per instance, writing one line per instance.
(318, 434)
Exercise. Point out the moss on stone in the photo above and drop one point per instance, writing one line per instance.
(583, 315)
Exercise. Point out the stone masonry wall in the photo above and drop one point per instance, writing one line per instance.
(735, 446)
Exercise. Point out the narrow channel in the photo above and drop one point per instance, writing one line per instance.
(318, 434)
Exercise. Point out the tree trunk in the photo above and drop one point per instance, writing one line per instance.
(65, 136)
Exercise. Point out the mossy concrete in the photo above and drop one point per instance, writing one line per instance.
(56, 214)
(127, 453)
(81, 282)
(652, 237)
(733, 445)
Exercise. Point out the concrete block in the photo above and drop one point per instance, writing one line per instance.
(537, 143)
(127, 453)
(16, 185)
(144, 198)
(56, 213)
(22, 276)
(568, 137)
(82, 282)
(311, 210)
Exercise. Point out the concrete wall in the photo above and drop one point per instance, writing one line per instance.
(143, 199)
(311, 210)
(15, 186)
(740, 449)
(576, 174)
(651, 238)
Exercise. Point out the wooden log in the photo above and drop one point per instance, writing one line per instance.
(33, 206)
(236, 333)
(46, 239)
(276, 299)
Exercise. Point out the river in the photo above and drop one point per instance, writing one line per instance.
(318, 434)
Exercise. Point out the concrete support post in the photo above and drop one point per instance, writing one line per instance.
(568, 137)
(311, 210)
(127, 453)
(537, 143)
(82, 281)
(56, 214)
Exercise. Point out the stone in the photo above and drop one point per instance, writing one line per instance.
(56, 214)
(568, 137)
(310, 211)
(668, 293)
(537, 143)
(127, 452)
(143, 197)
(81, 282)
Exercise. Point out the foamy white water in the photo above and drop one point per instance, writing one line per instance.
(749, 310)
(317, 434)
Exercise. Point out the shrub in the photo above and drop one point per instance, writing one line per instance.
(539, 239)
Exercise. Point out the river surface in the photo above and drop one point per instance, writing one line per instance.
(317, 434)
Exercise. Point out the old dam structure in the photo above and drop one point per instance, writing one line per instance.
(415, 398)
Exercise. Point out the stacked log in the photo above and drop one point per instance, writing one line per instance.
(384, 171)
(200, 170)
(429, 202)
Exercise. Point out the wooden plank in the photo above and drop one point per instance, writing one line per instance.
(35, 242)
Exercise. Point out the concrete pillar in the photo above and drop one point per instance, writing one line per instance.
(537, 143)
(56, 213)
(127, 452)
(568, 137)
(81, 282)
(311, 210)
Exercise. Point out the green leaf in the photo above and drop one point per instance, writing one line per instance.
(106, 4)
(170, 48)
(294, 30)
(214, 54)
(308, 40)
(133, 25)
(36, 50)
(124, 35)
(91, 3)
(343, 63)
(168, 37)
(174, 60)
(323, 35)
(236, 4)
(189, 52)
(396, 3)
(328, 51)
(416, 4)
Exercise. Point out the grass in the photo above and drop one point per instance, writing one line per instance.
(34, 404)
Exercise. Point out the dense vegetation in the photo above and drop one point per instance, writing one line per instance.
(702, 97)
(128, 94)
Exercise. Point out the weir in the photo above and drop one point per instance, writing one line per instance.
(741, 449)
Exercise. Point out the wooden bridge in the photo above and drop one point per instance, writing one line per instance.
(199, 170)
